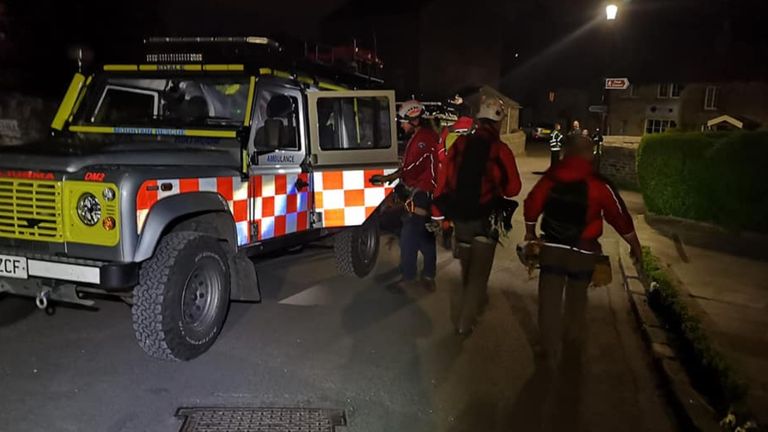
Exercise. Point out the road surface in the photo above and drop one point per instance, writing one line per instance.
(389, 359)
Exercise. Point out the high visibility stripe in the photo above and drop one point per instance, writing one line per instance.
(80, 98)
(92, 129)
(329, 86)
(154, 131)
(249, 104)
(307, 80)
(121, 68)
(68, 103)
(172, 67)
(223, 67)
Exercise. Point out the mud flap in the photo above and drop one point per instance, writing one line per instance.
(245, 282)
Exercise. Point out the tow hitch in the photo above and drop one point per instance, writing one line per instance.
(46, 295)
(41, 301)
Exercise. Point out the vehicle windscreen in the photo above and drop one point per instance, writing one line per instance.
(179, 102)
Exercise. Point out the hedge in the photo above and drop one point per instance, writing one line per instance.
(711, 374)
(718, 177)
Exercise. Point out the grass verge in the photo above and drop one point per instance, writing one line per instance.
(710, 373)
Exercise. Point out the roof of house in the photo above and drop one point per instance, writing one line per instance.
(738, 121)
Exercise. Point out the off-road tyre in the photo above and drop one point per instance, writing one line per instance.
(357, 248)
(187, 276)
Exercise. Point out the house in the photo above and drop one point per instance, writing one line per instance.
(653, 108)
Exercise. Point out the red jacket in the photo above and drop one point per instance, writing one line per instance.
(501, 178)
(602, 200)
(420, 160)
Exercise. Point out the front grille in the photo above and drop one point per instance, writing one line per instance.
(30, 210)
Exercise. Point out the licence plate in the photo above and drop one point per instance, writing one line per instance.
(13, 267)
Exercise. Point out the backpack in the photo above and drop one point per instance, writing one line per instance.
(565, 213)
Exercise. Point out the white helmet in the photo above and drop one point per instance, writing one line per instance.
(491, 108)
(410, 110)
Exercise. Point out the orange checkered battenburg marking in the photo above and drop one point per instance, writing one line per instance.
(273, 205)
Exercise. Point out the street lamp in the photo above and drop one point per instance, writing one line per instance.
(611, 10)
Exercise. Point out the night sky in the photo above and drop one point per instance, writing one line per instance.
(557, 42)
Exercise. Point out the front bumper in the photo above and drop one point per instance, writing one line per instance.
(108, 276)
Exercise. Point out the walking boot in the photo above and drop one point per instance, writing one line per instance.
(429, 284)
(476, 292)
(462, 251)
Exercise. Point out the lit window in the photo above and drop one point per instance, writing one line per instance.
(710, 98)
(659, 126)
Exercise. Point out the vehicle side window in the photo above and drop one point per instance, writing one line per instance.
(119, 105)
(351, 123)
(277, 121)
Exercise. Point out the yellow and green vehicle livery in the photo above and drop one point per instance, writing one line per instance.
(162, 179)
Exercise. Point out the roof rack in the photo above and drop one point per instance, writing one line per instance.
(256, 40)
(353, 66)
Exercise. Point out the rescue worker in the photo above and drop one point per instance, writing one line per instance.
(418, 177)
(575, 128)
(597, 138)
(475, 191)
(573, 201)
(449, 135)
(555, 145)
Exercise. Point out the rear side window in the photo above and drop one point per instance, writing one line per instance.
(352, 123)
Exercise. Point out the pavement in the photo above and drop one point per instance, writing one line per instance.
(726, 281)
(390, 360)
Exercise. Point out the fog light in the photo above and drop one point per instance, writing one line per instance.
(109, 223)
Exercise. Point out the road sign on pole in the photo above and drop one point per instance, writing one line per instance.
(616, 83)
(598, 108)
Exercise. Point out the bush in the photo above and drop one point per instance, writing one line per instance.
(717, 177)
(710, 372)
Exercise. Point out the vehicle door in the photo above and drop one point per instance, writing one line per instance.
(278, 177)
(352, 138)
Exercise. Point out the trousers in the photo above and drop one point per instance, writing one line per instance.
(570, 272)
(475, 246)
(415, 238)
(554, 157)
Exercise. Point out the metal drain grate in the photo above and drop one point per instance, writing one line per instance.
(260, 419)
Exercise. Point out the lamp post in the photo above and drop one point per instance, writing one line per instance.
(611, 11)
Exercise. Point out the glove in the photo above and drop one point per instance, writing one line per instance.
(402, 192)
(433, 226)
(377, 179)
(508, 210)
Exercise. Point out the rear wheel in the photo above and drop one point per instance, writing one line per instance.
(182, 298)
(357, 248)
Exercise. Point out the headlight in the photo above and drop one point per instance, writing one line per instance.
(89, 209)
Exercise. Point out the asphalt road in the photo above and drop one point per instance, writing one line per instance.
(390, 360)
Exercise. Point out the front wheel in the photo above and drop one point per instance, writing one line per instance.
(357, 248)
(182, 298)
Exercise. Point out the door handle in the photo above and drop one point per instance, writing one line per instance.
(300, 184)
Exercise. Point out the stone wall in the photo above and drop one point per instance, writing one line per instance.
(24, 118)
(619, 160)
(515, 141)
